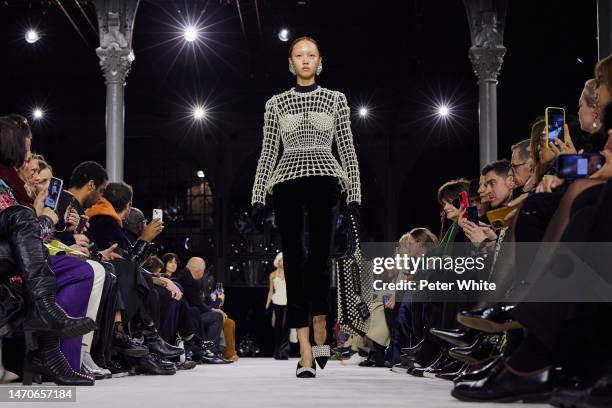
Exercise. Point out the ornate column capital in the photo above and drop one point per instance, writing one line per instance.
(487, 61)
(115, 63)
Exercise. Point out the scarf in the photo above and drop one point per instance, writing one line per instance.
(16, 184)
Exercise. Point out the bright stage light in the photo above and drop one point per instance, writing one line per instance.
(443, 111)
(32, 36)
(199, 113)
(200, 173)
(283, 35)
(191, 33)
(363, 111)
(38, 113)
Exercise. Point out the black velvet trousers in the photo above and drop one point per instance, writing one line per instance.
(306, 210)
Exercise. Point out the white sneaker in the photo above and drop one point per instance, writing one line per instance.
(355, 359)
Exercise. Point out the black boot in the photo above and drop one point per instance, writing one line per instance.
(48, 361)
(158, 346)
(47, 317)
(127, 346)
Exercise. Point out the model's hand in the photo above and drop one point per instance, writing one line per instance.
(152, 230)
(605, 172)
(549, 183)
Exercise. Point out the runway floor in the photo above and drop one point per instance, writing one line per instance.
(266, 383)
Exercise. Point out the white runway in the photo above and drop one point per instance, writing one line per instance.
(266, 383)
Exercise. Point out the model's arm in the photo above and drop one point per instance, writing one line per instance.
(269, 153)
(270, 290)
(346, 149)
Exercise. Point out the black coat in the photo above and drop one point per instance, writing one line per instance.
(193, 289)
(105, 231)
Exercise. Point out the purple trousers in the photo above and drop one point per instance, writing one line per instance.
(74, 282)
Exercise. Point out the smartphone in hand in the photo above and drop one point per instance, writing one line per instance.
(555, 123)
(54, 190)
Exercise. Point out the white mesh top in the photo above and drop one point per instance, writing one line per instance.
(307, 123)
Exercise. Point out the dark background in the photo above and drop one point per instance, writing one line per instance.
(396, 57)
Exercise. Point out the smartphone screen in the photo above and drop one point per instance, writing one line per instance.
(574, 166)
(555, 120)
(55, 188)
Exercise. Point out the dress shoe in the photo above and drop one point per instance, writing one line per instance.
(494, 319)
(408, 351)
(418, 369)
(211, 358)
(321, 355)
(506, 386)
(93, 367)
(451, 366)
(483, 350)
(456, 337)
(438, 366)
(195, 347)
(452, 375)
(158, 346)
(306, 372)
(152, 365)
(128, 346)
(489, 369)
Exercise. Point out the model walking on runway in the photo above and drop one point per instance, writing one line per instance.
(306, 186)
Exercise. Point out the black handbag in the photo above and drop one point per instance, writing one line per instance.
(354, 275)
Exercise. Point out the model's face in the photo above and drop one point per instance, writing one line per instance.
(452, 212)
(520, 169)
(280, 264)
(498, 188)
(305, 59)
(587, 116)
(94, 193)
(44, 176)
(171, 266)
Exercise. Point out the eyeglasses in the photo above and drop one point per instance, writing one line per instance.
(517, 165)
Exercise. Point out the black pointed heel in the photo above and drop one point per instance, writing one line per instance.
(306, 372)
(321, 354)
(48, 361)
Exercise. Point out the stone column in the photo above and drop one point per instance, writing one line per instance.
(486, 19)
(115, 22)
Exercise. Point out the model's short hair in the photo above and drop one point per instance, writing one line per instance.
(500, 167)
(451, 190)
(523, 147)
(119, 194)
(42, 162)
(590, 92)
(277, 259)
(14, 130)
(86, 171)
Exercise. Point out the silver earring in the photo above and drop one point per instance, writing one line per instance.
(291, 69)
(594, 123)
(319, 69)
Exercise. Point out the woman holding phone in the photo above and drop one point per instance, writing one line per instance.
(306, 185)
